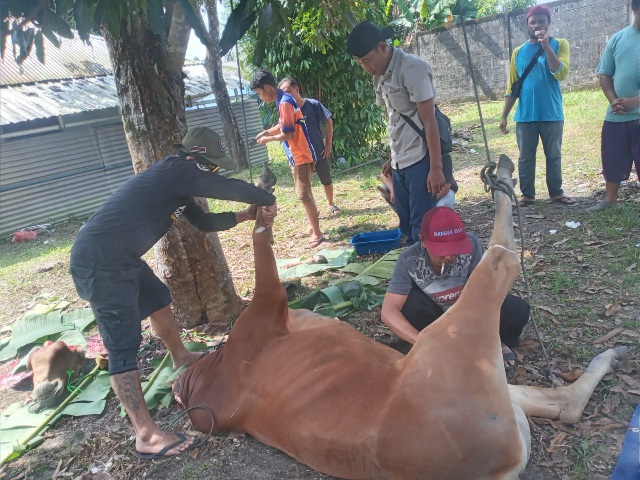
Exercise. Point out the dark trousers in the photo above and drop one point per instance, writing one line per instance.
(420, 310)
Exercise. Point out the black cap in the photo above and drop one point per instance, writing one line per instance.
(365, 37)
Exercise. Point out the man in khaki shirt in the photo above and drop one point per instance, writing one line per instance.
(403, 84)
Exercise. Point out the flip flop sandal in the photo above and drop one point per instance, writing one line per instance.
(510, 369)
(525, 201)
(333, 209)
(564, 200)
(314, 243)
(163, 453)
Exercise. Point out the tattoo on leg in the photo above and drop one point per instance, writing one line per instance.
(128, 389)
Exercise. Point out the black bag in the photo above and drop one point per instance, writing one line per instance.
(516, 87)
(444, 128)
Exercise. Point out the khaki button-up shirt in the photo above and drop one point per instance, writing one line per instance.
(408, 80)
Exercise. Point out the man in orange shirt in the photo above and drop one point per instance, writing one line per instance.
(292, 132)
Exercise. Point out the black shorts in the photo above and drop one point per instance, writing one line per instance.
(620, 149)
(323, 169)
(120, 300)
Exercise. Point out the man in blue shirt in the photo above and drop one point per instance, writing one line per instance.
(316, 114)
(619, 75)
(539, 113)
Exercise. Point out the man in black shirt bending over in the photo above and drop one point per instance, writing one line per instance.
(109, 273)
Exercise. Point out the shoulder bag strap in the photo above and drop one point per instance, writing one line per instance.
(532, 63)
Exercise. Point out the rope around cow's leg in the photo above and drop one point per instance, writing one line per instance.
(492, 183)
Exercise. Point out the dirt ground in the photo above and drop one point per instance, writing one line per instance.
(580, 302)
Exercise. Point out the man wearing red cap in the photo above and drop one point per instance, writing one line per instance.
(539, 114)
(429, 276)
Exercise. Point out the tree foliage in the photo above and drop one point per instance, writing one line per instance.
(327, 72)
(26, 22)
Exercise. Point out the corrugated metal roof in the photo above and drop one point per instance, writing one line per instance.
(73, 59)
(75, 78)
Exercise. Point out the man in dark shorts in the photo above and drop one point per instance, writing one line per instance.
(109, 273)
(430, 275)
(619, 76)
(315, 115)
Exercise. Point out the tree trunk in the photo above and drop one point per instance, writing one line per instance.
(151, 91)
(213, 66)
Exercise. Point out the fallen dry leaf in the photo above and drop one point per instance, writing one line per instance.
(608, 336)
(612, 309)
(608, 406)
(562, 427)
(528, 344)
(548, 309)
(635, 392)
(556, 441)
(612, 426)
(572, 375)
(629, 380)
(630, 267)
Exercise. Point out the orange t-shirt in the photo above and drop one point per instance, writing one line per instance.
(292, 120)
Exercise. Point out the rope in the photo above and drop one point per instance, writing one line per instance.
(492, 183)
(197, 407)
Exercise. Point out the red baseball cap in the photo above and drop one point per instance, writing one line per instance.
(542, 8)
(443, 233)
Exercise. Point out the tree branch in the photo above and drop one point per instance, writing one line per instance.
(177, 39)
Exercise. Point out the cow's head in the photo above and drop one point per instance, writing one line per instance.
(50, 365)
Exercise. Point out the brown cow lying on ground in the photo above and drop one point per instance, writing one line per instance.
(50, 365)
(347, 406)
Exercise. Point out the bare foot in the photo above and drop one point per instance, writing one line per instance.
(189, 358)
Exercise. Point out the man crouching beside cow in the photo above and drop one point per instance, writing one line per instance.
(317, 389)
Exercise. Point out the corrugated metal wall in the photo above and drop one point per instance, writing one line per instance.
(51, 177)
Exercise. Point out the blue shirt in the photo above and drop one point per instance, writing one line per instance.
(315, 115)
(540, 97)
(621, 60)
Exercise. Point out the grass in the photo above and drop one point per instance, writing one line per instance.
(575, 272)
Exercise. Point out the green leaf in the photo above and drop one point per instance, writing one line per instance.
(351, 289)
(58, 25)
(39, 43)
(73, 338)
(111, 18)
(63, 7)
(159, 383)
(83, 13)
(333, 294)
(22, 364)
(81, 318)
(42, 309)
(192, 18)
(5, 27)
(52, 37)
(239, 21)
(33, 329)
(157, 18)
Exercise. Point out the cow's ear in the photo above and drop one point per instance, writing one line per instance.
(82, 352)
